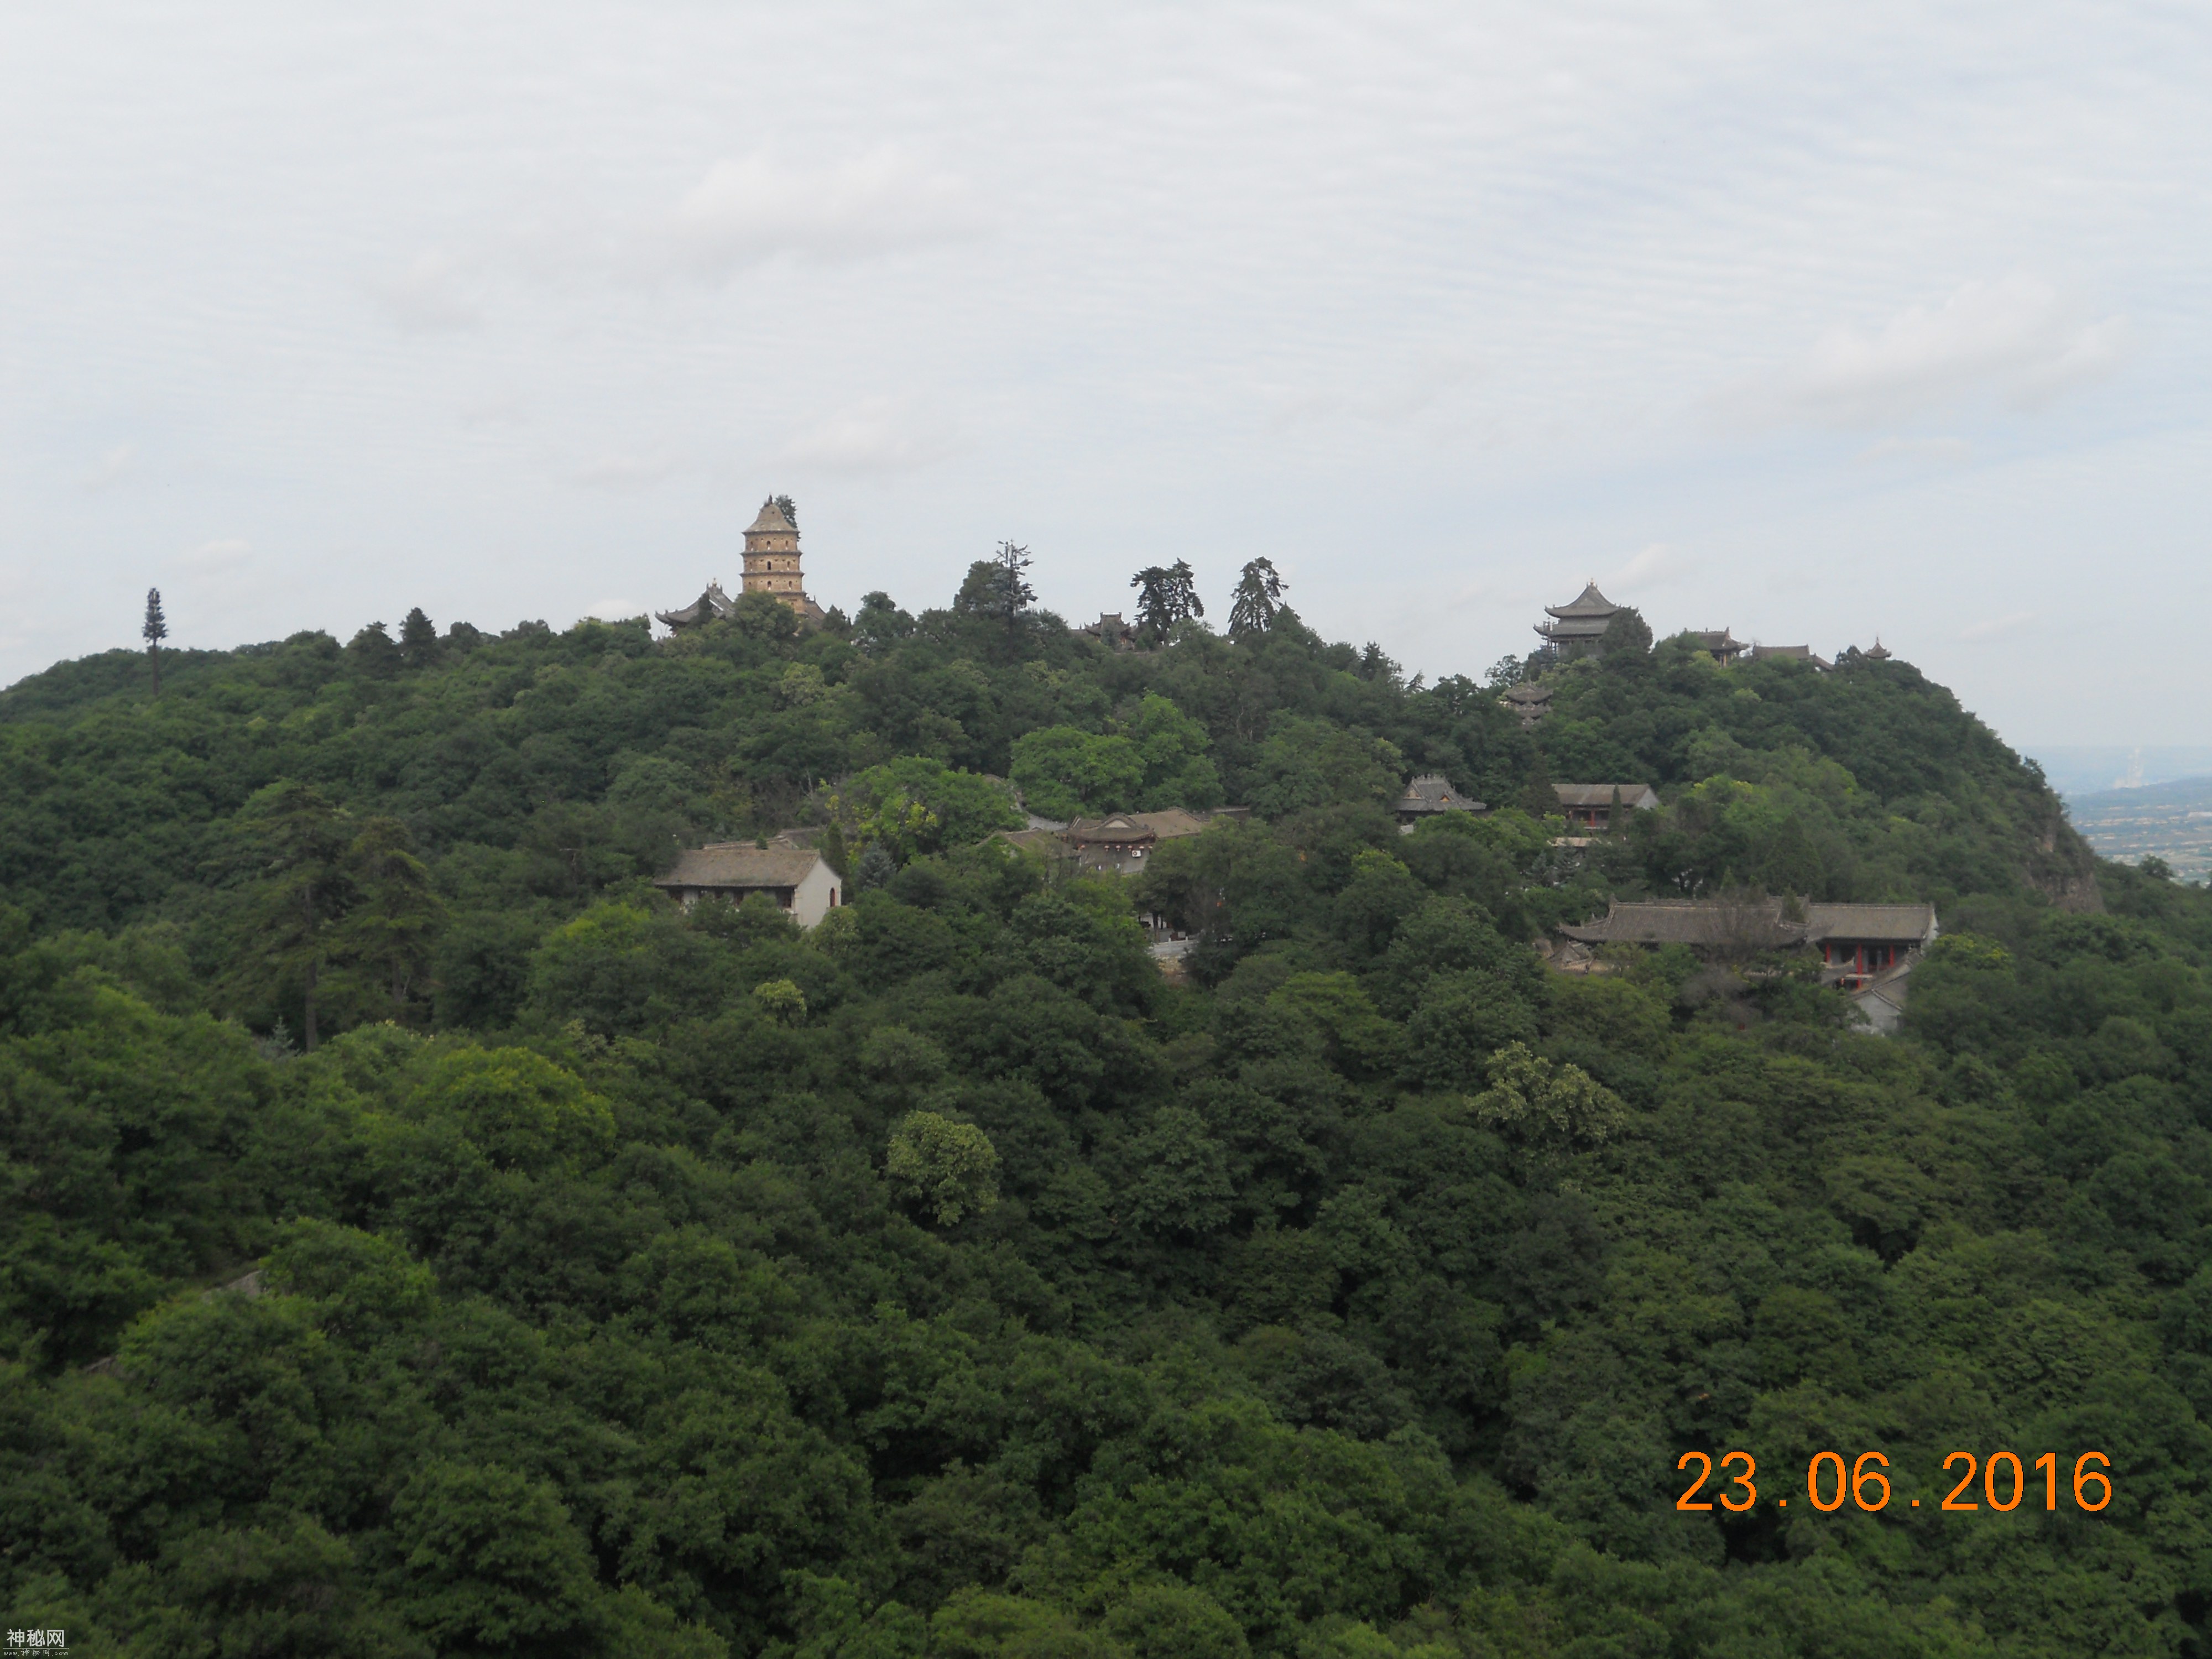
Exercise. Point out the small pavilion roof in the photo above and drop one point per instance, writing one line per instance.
(1529, 691)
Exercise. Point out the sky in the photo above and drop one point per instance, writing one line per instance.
(1819, 322)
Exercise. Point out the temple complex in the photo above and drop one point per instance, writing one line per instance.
(1427, 795)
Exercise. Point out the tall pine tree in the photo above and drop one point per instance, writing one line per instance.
(155, 630)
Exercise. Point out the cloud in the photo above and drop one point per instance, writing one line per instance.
(750, 209)
(211, 558)
(110, 468)
(1654, 566)
(1999, 627)
(2018, 339)
(878, 435)
(625, 472)
(429, 297)
(1396, 400)
(1931, 452)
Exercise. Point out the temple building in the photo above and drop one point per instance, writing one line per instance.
(1530, 701)
(1431, 793)
(1590, 804)
(1722, 644)
(1791, 653)
(799, 879)
(771, 566)
(1112, 632)
(706, 608)
(1576, 628)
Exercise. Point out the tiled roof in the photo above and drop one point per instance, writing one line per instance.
(1599, 794)
(1590, 603)
(741, 864)
(1433, 792)
(771, 519)
(1528, 691)
(1166, 825)
(1750, 924)
(1753, 924)
(1885, 923)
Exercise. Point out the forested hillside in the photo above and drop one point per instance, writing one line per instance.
(610, 1279)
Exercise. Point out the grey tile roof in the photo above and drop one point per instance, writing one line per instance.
(1599, 794)
(740, 865)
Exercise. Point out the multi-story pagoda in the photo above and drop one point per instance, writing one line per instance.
(1577, 628)
(772, 560)
(771, 566)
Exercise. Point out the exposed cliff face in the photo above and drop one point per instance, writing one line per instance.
(2062, 865)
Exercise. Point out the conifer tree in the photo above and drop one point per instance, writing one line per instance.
(1166, 594)
(418, 639)
(155, 630)
(1258, 596)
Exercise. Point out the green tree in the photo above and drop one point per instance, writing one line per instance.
(950, 1169)
(1258, 597)
(296, 843)
(1166, 595)
(418, 639)
(155, 630)
(391, 925)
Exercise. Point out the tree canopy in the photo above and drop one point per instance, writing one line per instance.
(611, 1277)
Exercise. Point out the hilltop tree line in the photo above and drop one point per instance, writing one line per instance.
(610, 1278)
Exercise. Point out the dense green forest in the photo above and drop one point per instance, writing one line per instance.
(607, 1279)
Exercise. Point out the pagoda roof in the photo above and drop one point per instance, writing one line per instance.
(1590, 603)
(1879, 652)
(772, 519)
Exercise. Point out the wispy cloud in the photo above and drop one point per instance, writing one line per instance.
(626, 472)
(1926, 452)
(212, 558)
(1999, 627)
(750, 209)
(2019, 340)
(431, 296)
(878, 435)
(110, 469)
(1652, 567)
(1387, 399)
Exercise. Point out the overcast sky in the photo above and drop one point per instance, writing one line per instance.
(1816, 322)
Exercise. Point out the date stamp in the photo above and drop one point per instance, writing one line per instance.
(2004, 1481)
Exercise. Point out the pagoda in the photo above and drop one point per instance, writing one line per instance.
(1577, 627)
(772, 560)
